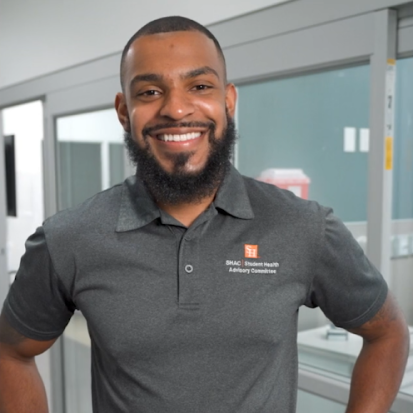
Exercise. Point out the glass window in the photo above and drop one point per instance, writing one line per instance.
(80, 172)
(403, 144)
(91, 158)
(310, 128)
(116, 163)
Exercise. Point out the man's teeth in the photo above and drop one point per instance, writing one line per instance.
(179, 138)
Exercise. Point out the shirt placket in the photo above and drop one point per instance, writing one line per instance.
(189, 271)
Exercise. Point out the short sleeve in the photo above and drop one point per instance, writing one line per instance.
(346, 285)
(37, 304)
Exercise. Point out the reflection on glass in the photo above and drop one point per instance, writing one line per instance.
(315, 125)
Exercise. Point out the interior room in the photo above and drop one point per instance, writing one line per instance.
(325, 110)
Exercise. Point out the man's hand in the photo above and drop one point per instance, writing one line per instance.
(21, 388)
(380, 366)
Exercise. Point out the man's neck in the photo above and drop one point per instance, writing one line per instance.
(186, 214)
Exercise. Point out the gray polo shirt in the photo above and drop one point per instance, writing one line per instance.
(200, 319)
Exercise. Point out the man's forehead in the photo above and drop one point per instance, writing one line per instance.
(174, 49)
(172, 39)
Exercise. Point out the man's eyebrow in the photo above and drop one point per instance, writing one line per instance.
(146, 77)
(205, 70)
(154, 77)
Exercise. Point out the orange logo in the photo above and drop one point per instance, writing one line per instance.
(251, 251)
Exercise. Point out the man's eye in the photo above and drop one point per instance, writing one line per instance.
(151, 92)
(202, 87)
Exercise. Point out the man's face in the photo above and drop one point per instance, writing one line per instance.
(175, 97)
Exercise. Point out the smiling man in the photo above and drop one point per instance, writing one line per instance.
(177, 110)
(190, 276)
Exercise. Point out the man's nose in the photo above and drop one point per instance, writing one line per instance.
(177, 105)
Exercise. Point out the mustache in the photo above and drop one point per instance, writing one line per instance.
(150, 130)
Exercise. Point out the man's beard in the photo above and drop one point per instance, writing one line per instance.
(181, 186)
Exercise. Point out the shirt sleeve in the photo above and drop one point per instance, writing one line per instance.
(37, 305)
(346, 285)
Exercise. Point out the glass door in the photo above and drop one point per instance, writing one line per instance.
(90, 158)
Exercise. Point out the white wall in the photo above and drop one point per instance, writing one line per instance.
(25, 122)
(42, 36)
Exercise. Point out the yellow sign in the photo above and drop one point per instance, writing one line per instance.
(389, 153)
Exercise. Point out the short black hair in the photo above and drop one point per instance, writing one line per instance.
(167, 25)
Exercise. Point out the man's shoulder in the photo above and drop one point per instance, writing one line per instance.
(267, 198)
(99, 211)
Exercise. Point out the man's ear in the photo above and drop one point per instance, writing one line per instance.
(122, 111)
(230, 98)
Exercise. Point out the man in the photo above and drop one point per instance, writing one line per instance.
(190, 276)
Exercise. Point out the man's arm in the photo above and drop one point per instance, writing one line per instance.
(21, 388)
(380, 366)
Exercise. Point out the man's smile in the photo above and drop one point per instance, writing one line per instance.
(184, 137)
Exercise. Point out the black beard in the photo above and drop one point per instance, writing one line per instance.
(180, 186)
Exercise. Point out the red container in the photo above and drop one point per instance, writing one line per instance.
(295, 180)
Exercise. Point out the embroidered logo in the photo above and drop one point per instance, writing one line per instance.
(251, 251)
(250, 263)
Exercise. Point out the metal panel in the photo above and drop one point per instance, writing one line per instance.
(4, 278)
(406, 22)
(89, 72)
(289, 17)
(84, 97)
(405, 11)
(380, 179)
(405, 38)
(342, 42)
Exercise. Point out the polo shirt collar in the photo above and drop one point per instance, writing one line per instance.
(138, 208)
(232, 196)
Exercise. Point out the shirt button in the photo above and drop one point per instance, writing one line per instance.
(189, 268)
